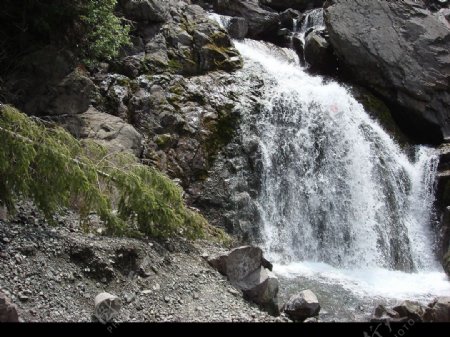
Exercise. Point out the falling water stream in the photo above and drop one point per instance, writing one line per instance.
(344, 210)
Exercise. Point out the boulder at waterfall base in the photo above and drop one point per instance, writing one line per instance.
(248, 270)
(302, 306)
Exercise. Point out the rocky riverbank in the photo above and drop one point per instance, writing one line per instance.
(53, 274)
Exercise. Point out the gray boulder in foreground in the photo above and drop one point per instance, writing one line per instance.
(247, 269)
(302, 306)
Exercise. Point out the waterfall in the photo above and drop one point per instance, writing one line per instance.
(336, 188)
(313, 19)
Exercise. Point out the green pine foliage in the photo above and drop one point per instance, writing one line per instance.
(55, 171)
(105, 33)
(89, 28)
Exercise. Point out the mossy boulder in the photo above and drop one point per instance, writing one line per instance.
(378, 110)
(189, 44)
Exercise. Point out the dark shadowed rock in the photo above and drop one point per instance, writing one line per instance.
(383, 314)
(295, 4)
(219, 263)
(237, 28)
(318, 52)
(146, 10)
(446, 263)
(8, 311)
(411, 310)
(261, 21)
(302, 306)
(72, 95)
(400, 50)
(440, 310)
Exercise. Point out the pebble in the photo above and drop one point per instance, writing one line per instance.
(129, 297)
(167, 299)
(23, 298)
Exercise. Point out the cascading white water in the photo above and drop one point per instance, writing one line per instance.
(342, 207)
(336, 188)
(339, 198)
(313, 19)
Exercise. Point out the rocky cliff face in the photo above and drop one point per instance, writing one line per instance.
(399, 49)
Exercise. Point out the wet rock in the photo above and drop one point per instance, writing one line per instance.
(237, 28)
(107, 307)
(261, 22)
(440, 310)
(411, 310)
(302, 306)
(8, 310)
(400, 50)
(382, 313)
(318, 53)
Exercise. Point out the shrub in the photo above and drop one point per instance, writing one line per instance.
(88, 27)
(53, 169)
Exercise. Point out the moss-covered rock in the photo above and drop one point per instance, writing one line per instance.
(378, 110)
(221, 129)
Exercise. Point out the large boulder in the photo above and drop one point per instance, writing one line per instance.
(400, 50)
(261, 287)
(72, 95)
(107, 130)
(247, 269)
(146, 10)
(295, 4)
(8, 311)
(242, 261)
(302, 306)
(237, 27)
(261, 21)
(318, 52)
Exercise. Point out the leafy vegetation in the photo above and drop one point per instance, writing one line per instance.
(88, 27)
(53, 169)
